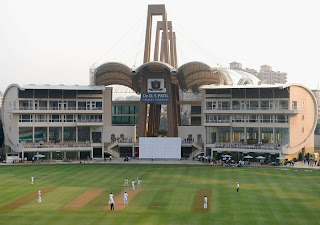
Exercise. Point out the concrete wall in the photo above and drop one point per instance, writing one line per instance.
(127, 131)
(107, 107)
(317, 143)
(184, 131)
(10, 120)
(301, 124)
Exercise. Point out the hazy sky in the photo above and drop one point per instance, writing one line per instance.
(56, 41)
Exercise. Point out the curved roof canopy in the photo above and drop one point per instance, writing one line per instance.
(113, 73)
(190, 76)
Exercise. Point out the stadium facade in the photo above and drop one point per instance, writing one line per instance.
(237, 114)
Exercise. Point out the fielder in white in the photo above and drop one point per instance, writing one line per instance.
(205, 202)
(111, 202)
(32, 178)
(126, 182)
(139, 183)
(125, 198)
(238, 186)
(110, 198)
(133, 182)
(39, 196)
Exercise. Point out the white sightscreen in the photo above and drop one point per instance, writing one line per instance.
(159, 148)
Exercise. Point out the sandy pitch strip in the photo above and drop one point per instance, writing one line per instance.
(119, 206)
(84, 199)
(199, 200)
(24, 200)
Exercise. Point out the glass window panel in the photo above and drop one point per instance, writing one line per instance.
(82, 105)
(254, 105)
(55, 134)
(136, 109)
(208, 105)
(196, 121)
(236, 105)
(84, 134)
(125, 110)
(252, 135)
(69, 134)
(40, 134)
(223, 134)
(25, 134)
(281, 136)
(211, 135)
(238, 135)
(96, 137)
(266, 134)
(195, 109)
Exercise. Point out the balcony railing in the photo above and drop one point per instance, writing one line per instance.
(89, 120)
(55, 145)
(248, 108)
(218, 121)
(56, 108)
(248, 146)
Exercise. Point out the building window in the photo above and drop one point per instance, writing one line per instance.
(24, 118)
(26, 105)
(69, 134)
(195, 109)
(54, 118)
(281, 119)
(96, 137)
(196, 121)
(70, 118)
(237, 118)
(252, 135)
(266, 119)
(25, 134)
(40, 134)
(41, 118)
(55, 134)
(237, 134)
(294, 104)
(84, 134)
(266, 135)
(252, 118)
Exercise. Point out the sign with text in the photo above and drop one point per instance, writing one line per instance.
(155, 97)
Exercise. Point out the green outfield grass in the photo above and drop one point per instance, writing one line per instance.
(267, 195)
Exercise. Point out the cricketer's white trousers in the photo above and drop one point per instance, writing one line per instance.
(133, 187)
(125, 201)
(125, 184)
(205, 205)
(39, 199)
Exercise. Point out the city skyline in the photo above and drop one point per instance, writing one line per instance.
(57, 43)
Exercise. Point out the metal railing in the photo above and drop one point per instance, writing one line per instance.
(55, 145)
(247, 146)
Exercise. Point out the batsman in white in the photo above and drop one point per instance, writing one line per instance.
(125, 198)
(32, 178)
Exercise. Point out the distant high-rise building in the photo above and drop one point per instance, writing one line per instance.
(266, 75)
